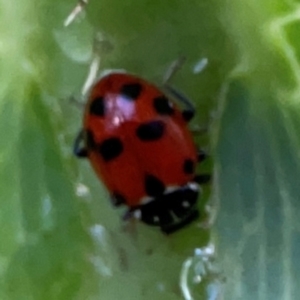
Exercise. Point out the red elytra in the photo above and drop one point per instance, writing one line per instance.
(138, 143)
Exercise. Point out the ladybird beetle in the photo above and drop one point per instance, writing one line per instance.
(138, 143)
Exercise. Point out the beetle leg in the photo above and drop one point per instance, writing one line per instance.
(79, 148)
(202, 178)
(189, 111)
(202, 155)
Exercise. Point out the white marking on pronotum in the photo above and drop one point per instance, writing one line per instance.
(193, 186)
(170, 189)
(146, 200)
(185, 204)
(156, 219)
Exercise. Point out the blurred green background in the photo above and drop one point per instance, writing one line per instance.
(60, 238)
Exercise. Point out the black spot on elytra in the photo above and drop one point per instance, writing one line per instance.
(118, 199)
(163, 106)
(188, 166)
(97, 107)
(150, 131)
(110, 148)
(131, 90)
(90, 142)
(153, 186)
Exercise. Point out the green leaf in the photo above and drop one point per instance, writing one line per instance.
(61, 239)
